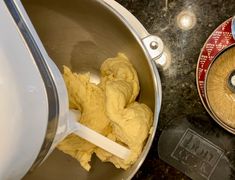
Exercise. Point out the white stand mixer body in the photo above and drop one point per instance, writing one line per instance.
(24, 105)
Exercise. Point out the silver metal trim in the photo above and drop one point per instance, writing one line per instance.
(52, 94)
(154, 46)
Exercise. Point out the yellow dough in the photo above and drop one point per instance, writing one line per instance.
(110, 109)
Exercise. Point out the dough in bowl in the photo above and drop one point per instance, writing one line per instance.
(109, 108)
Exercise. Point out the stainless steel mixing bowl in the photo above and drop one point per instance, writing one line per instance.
(81, 34)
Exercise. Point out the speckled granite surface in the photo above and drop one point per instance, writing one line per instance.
(180, 96)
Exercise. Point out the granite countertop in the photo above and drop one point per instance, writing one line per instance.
(180, 96)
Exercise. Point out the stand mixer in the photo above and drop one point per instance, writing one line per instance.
(34, 102)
